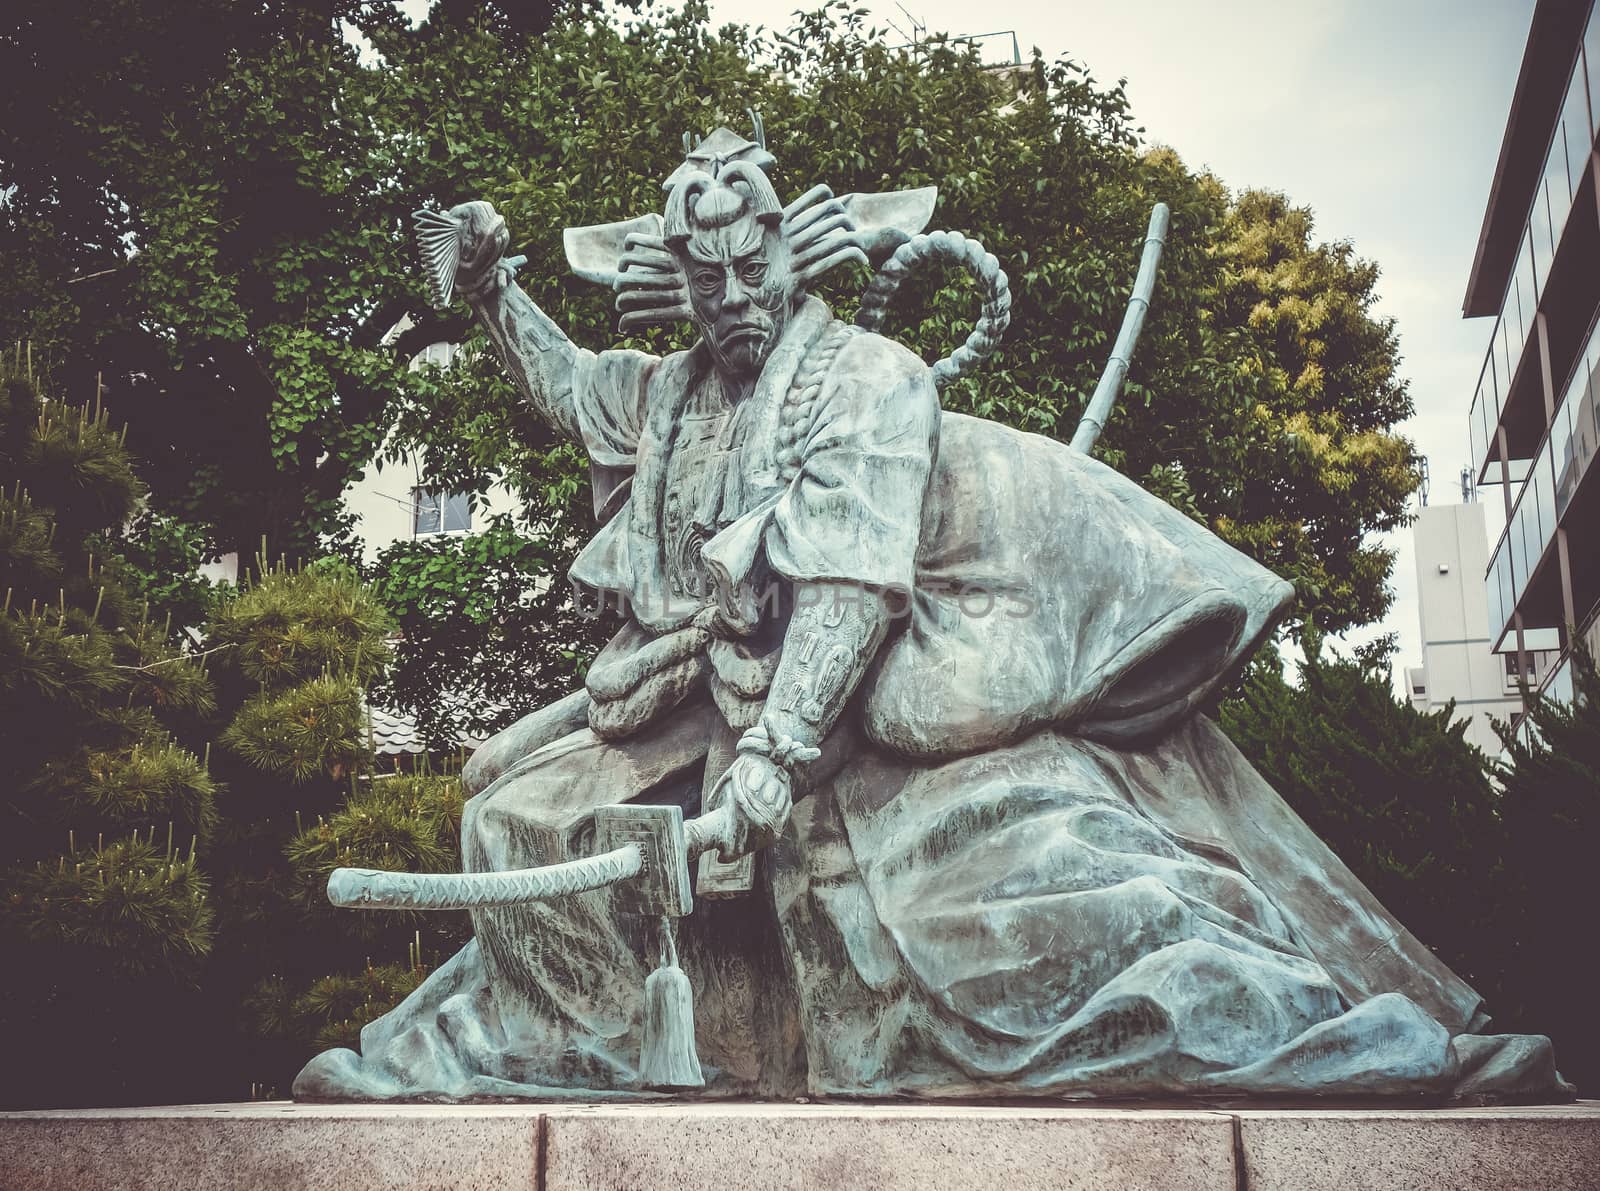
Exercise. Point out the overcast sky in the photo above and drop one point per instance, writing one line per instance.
(1384, 116)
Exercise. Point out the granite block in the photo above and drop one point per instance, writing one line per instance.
(273, 1145)
(1554, 1148)
(773, 1147)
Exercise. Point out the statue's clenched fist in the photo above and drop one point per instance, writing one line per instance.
(484, 240)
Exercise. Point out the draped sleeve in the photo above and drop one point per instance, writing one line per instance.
(609, 392)
(1054, 592)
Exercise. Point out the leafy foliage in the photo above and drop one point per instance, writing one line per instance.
(1398, 793)
(157, 560)
(316, 728)
(410, 822)
(204, 204)
(293, 654)
(146, 892)
(209, 206)
(486, 633)
(212, 207)
(332, 1011)
(1550, 809)
(136, 909)
(90, 698)
(1263, 396)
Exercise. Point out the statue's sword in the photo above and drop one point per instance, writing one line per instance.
(643, 859)
(644, 853)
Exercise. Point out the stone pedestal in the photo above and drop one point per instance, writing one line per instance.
(810, 1146)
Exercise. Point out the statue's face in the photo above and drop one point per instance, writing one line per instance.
(740, 289)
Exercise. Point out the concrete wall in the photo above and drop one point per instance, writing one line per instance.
(1451, 543)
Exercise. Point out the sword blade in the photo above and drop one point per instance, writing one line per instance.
(371, 889)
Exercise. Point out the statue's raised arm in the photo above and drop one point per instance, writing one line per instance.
(464, 253)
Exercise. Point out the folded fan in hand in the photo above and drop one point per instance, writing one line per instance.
(439, 240)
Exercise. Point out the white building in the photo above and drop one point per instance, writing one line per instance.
(1458, 662)
(393, 504)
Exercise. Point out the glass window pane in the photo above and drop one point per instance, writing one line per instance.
(1508, 582)
(1560, 688)
(1586, 426)
(1561, 454)
(1505, 362)
(427, 506)
(457, 513)
(1511, 321)
(1493, 384)
(1528, 288)
(1591, 53)
(1528, 520)
(1576, 130)
(1518, 563)
(1491, 585)
(1546, 499)
(1539, 225)
(1476, 431)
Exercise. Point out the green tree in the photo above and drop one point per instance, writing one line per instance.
(1263, 396)
(488, 629)
(293, 654)
(227, 237)
(1550, 808)
(1482, 859)
(103, 811)
(207, 202)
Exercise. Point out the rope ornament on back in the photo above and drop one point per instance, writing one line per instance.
(985, 269)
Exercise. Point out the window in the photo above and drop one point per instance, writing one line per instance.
(1514, 670)
(1576, 131)
(441, 512)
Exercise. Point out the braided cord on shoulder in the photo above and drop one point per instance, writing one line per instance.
(800, 403)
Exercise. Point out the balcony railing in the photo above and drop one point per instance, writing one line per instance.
(1565, 162)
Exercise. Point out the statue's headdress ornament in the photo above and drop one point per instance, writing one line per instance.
(716, 200)
(721, 148)
(722, 177)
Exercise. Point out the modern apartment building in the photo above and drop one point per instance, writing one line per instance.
(1535, 421)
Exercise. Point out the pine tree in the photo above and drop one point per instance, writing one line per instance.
(164, 918)
(104, 814)
(1551, 814)
(295, 652)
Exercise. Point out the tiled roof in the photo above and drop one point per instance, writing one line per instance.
(393, 734)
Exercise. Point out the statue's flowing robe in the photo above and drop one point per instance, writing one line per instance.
(1024, 865)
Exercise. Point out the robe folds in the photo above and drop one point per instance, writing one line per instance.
(1025, 864)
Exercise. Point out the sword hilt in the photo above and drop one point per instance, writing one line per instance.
(714, 829)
